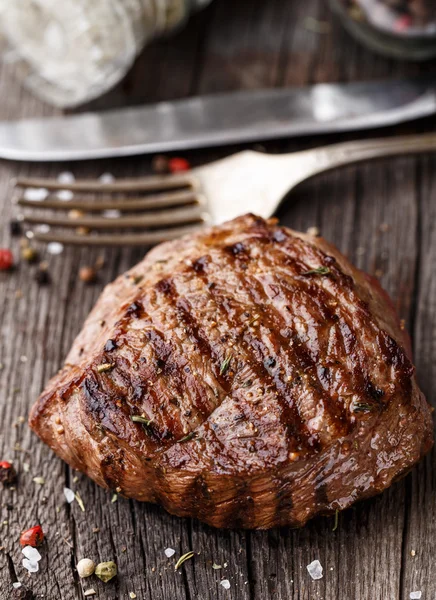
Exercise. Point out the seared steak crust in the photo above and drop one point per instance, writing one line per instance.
(247, 376)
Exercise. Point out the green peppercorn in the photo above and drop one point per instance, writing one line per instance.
(106, 571)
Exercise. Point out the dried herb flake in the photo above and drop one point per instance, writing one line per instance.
(226, 364)
(142, 420)
(105, 367)
(183, 559)
(188, 437)
(317, 271)
(79, 501)
(362, 407)
(335, 526)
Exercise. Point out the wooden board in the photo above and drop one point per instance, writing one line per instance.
(381, 215)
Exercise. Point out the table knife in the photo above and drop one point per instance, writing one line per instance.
(203, 121)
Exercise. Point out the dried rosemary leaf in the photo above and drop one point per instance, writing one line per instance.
(335, 526)
(141, 419)
(79, 501)
(362, 407)
(183, 559)
(225, 365)
(105, 367)
(188, 437)
(317, 271)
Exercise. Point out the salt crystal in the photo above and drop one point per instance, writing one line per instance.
(31, 553)
(225, 583)
(315, 569)
(112, 214)
(90, 592)
(65, 195)
(69, 495)
(415, 595)
(42, 228)
(169, 552)
(55, 248)
(30, 566)
(16, 585)
(26, 467)
(66, 177)
(106, 178)
(35, 194)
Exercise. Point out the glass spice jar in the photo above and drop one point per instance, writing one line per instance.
(397, 28)
(70, 51)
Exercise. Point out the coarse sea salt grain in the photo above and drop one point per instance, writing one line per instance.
(30, 566)
(415, 595)
(225, 583)
(69, 495)
(42, 228)
(55, 248)
(35, 194)
(66, 177)
(315, 569)
(169, 552)
(106, 178)
(31, 553)
(65, 195)
(16, 585)
(111, 214)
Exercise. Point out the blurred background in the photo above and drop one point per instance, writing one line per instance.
(72, 52)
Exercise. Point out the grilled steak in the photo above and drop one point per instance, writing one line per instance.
(247, 375)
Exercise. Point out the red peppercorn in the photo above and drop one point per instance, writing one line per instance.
(32, 537)
(8, 474)
(6, 259)
(178, 165)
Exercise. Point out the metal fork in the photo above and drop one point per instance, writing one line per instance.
(165, 207)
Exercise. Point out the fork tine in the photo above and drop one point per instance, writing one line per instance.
(152, 219)
(127, 204)
(152, 183)
(140, 239)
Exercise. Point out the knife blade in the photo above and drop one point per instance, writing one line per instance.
(221, 119)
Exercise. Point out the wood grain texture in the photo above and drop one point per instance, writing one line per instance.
(381, 215)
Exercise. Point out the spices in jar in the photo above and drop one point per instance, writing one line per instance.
(400, 28)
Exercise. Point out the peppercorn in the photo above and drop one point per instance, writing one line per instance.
(75, 214)
(82, 231)
(8, 475)
(15, 227)
(42, 275)
(85, 567)
(160, 164)
(87, 274)
(32, 537)
(29, 254)
(22, 593)
(179, 165)
(6, 259)
(106, 571)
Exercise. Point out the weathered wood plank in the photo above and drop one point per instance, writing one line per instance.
(380, 215)
(419, 560)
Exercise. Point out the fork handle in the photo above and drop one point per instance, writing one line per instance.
(347, 153)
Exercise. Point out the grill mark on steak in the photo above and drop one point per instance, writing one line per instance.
(308, 352)
(254, 350)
